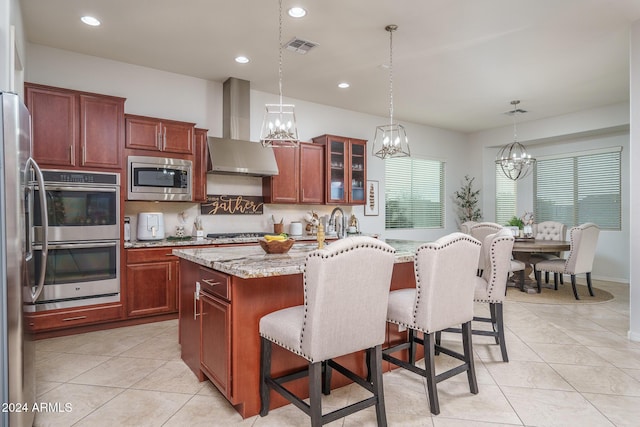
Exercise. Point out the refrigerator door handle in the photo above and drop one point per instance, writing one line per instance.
(45, 228)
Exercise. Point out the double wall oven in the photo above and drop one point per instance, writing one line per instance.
(79, 248)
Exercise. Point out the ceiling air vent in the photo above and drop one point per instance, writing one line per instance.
(299, 45)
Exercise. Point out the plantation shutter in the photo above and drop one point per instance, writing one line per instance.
(506, 193)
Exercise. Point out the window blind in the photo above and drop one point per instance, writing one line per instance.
(414, 193)
(578, 189)
(506, 194)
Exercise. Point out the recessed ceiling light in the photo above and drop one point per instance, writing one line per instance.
(90, 20)
(242, 59)
(343, 85)
(297, 12)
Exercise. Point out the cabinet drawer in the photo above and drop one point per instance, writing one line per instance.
(74, 317)
(215, 283)
(135, 256)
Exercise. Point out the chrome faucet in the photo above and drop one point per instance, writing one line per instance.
(342, 230)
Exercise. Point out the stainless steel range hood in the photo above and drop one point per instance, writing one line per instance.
(234, 153)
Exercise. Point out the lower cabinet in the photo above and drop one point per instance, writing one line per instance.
(62, 319)
(205, 324)
(152, 282)
(215, 345)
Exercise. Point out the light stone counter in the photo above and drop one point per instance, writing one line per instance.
(251, 261)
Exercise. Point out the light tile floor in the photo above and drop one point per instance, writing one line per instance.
(570, 365)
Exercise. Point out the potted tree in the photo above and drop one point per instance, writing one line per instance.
(467, 201)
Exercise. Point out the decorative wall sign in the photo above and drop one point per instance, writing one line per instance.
(371, 207)
(224, 204)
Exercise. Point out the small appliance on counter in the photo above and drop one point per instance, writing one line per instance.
(295, 228)
(150, 226)
(127, 229)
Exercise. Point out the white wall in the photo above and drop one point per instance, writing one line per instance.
(12, 47)
(160, 94)
(592, 129)
(634, 178)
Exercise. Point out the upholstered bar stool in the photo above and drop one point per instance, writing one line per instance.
(583, 240)
(480, 231)
(346, 288)
(445, 273)
(492, 285)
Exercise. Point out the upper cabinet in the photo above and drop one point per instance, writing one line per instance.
(200, 161)
(346, 169)
(148, 133)
(75, 129)
(300, 176)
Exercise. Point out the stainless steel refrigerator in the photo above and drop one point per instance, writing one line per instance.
(20, 284)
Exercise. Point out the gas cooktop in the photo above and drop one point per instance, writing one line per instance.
(237, 235)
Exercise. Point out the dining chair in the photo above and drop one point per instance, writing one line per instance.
(480, 231)
(445, 272)
(548, 230)
(583, 241)
(465, 227)
(346, 289)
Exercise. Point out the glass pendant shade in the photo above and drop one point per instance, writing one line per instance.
(515, 162)
(279, 126)
(391, 141)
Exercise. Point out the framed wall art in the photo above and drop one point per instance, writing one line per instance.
(372, 205)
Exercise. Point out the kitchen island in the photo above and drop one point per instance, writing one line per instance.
(225, 291)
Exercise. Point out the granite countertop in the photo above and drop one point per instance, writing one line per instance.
(251, 261)
(206, 241)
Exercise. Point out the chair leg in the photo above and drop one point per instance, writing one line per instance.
(265, 371)
(522, 280)
(315, 393)
(492, 310)
(546, 277)
(468, 357)
(573, 283)
(412, 347)
(500, 330)
(326, 377)
(430, 366)
(561, 279)
(589, 284)
(438, 341)
(555, 281)
(375, 354)
(539, 281)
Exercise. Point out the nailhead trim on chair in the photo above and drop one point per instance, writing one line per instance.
(493, 275)
(321, 253)
(428, 246)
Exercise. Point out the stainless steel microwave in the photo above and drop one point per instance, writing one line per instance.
(159, 178)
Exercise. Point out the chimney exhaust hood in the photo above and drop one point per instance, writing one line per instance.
(234, 153)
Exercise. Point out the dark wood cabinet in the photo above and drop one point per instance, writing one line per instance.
(300, 176)
(152, 282)
(75, 129)
(346, 169)
(215, 350)
(153, 134)
(200, 161)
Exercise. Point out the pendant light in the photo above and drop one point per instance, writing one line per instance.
(391, 139)
(513, 158)
(279, 124)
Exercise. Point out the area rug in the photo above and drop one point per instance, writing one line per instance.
(564, 295)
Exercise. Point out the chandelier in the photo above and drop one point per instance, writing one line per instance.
(513, 158)
(391, 139)
(279, 124)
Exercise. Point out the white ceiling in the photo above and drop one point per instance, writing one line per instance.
(457, 64)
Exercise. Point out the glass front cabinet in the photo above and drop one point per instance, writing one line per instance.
(346, 169)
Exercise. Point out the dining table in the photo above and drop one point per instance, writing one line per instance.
(523, 248)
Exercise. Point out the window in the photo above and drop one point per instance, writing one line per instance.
(582, 188)
(414, 193)
(505, 197)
